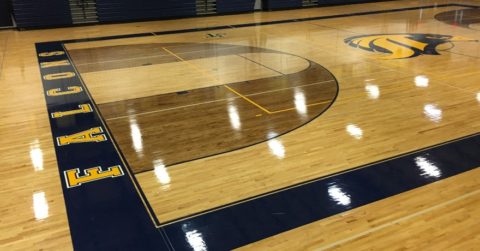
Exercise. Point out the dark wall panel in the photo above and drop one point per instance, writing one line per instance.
(282, 4)
(232, 6)
(5, 11)
(289, 4)
(39, 13)
(129, 10)
(335, 2)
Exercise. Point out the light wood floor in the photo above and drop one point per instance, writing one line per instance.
(397, 120)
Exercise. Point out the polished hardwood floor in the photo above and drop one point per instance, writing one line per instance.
(266, 94)
(223, 94)
(467, 18)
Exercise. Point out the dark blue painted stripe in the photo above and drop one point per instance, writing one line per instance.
(263, 217)
(103, 215)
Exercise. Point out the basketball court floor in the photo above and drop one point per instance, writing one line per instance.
(346, 127)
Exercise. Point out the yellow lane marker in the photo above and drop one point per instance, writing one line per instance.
(203, 71)
(206, 73)
(247, 99)
(215, 79)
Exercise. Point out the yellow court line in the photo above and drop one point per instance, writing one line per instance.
(216, 80)
(203, 71)
(247, 99)
(289, 109)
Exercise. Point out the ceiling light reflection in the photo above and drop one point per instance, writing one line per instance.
(195, 239)
(373, 91)
(234, 117)
(355, 131)
(136, 135)
(428, 168)
(339, 196)
(40, 206)
(36, 155)
(161, 172)
(276, 146)
(300, 102)
(433, 112)
(421, 81)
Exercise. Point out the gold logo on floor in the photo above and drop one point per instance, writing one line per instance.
(398, 46)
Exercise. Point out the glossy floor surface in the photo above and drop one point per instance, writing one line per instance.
(212, 120)
(211, 98)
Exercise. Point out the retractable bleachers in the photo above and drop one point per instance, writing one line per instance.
(234, 6)
(129, 10)
(282, 4)
(5, 19)
(291, 4)
(47, 13)
(40, 13)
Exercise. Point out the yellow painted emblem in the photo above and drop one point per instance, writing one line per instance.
(54, 64)
(73, 178)
(51, 53)
(83, 108)
(397, 46)
(59, 92)
(91, 135)
(61, 75)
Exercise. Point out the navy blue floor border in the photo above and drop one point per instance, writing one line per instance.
(108, 211)
(103, 201)
(244, 223)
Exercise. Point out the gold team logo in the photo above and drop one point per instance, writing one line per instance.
(396, 46)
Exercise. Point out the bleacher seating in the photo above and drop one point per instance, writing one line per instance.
(129, 10)
(234, 6)
(40, 13)
(282, 4)
(44, 13)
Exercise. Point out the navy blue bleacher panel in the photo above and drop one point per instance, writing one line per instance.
(338, 2)
(5, 11)
(232, 6)
(35, 13)
(283, 4)
(129, 10)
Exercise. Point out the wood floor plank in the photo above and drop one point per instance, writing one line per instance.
(396, 112)
(423, 218)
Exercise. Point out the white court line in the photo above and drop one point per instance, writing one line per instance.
(135, 58)
(213, 101)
